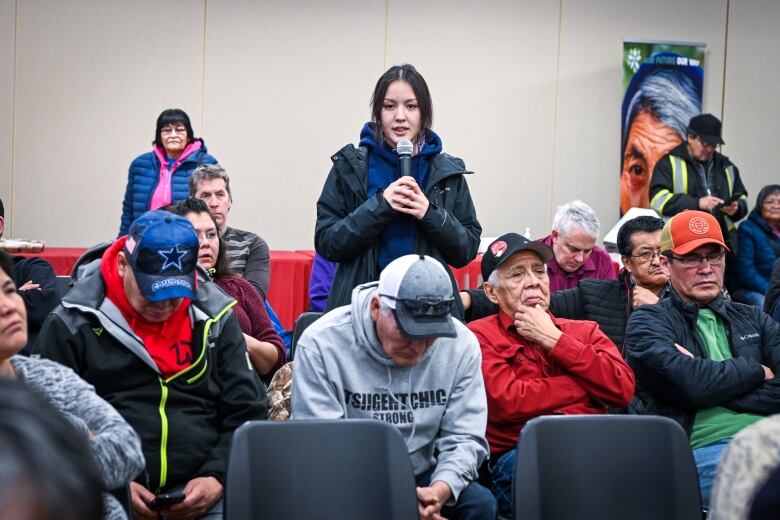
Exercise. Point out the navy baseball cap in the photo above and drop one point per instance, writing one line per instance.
(162, 250)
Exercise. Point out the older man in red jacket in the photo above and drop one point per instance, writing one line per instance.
(534, 363)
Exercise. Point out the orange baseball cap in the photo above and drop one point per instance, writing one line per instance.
(688, 230)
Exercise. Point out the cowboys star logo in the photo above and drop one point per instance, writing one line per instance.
(698, 226)
(498, 248)
(173, 258)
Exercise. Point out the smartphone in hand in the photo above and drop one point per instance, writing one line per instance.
(166, 500)
(728, 201)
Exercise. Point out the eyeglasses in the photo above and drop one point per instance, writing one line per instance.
(647, 256)
(208, 236)
(424, 306)
(168, 130)
(690, 261)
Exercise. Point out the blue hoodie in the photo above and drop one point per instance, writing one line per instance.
(399, 236)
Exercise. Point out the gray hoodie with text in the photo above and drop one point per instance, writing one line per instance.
(438, 405)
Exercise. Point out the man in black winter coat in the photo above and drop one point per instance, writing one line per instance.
(166, 351)
(705, 361)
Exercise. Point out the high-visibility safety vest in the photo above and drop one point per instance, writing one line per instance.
(680, 185)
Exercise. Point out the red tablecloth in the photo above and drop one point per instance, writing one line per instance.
(288, 291)
(61, 259)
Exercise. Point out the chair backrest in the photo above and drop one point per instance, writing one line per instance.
(63, 285)
(605, 466)
(301, 322)
(345, 469)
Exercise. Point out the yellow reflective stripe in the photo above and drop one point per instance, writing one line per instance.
(206, 330)
(163, 437)
(679, 174)
(164, 397)
(203, 350)
(729, 224)
(730, 179)
(660, 200)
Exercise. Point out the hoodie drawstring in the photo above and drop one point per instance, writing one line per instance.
(406, 407)
(411, 410)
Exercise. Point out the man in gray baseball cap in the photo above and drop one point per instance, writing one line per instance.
(395, 354)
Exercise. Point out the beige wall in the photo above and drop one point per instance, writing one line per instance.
(751, 111)
(7, 38)
(526, 92)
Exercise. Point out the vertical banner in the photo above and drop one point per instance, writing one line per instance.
(662, 91)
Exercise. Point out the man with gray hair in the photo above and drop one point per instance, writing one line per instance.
(573, 241)
(534, 363)
(396, 354)
(247, 253)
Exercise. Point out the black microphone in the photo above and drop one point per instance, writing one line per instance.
(404, 150)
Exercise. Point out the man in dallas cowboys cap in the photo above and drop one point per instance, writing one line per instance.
(395, 354)
(166, 351)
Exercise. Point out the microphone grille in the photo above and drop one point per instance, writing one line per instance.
(404, 147)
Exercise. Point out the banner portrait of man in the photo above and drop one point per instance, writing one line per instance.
(662, 93)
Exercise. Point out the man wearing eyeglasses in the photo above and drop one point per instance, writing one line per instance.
(534, 363)
(699, 358)
(695, 176)
(395, 354)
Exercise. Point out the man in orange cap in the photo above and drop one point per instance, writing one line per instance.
(701, 359)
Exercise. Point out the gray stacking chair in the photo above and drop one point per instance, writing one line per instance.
(343, 470)
(602, 467)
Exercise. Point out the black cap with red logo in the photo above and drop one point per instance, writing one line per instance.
(505, 246)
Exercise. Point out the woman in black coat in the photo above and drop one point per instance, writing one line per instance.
(370, 214)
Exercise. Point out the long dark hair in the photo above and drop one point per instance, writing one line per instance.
(193, 205)
(173, 116)
(410, 75)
